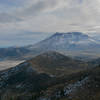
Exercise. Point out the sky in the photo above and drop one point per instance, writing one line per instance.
(24, 22)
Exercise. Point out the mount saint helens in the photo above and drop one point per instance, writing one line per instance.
(71, 43)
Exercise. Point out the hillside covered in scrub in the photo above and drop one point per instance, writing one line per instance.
(50, 76)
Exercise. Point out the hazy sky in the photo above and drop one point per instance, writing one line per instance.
(22, 20)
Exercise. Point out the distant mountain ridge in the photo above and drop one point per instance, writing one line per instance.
(69, 43)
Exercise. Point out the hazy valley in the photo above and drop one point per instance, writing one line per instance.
(8, 64)
(57, 68)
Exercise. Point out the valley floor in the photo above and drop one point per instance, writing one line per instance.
(9, 63)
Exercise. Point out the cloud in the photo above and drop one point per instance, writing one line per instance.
(71, 10)
(32, 9)
(7, 18)
(77, 8)
(21, 16)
